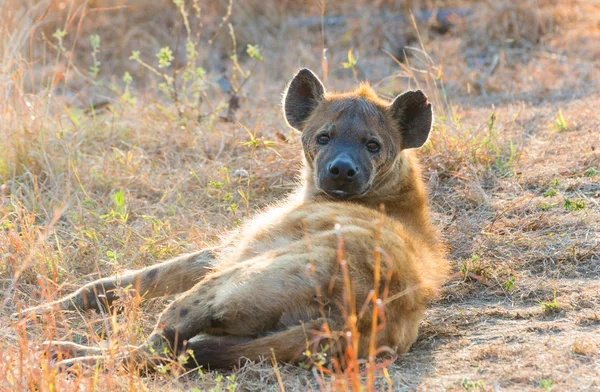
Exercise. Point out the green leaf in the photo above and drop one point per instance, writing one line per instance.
(59, 34)
(95, 41)
(118, 200)
(254, 52)
(127, 78)
(560, 124)
(574, 205)
(165, 56)
(351, 60)
(591, 172)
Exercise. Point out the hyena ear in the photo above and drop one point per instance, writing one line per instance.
(413, 116)
(301, 97)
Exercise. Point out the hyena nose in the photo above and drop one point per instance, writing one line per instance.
(343, 169)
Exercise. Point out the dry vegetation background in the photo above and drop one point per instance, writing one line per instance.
(114, 158)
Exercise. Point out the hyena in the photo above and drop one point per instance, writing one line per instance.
(277, 284)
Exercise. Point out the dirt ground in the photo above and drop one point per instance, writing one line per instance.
(103, 171)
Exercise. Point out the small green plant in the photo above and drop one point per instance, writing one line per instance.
(472, 385)
(551, 307)
(126, 96)
(165, 56)
(119, 211)
(560, 124)
(254, 52)
(351, 63)
(546, 383)
(229, 381)
(95, 67)
(118, 200)
(258, 141)
(550, 192)
(233, 207)
(113, 256)
(135, 55)
(59, 35)
(475, 269)
(215, 184)
(231, 384)
(351, 60)
(499, 158)
(591, 172)
(491, 123)
(574, 205)
(509, 285)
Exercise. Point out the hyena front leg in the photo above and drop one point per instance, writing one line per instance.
(170, 277)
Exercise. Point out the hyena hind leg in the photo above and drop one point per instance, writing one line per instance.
(248, 307)
(170, 277)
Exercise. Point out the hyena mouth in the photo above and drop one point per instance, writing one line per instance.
(339, 194)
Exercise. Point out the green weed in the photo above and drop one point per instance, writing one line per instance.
(551, 193)
(509, 284)
(591, 172)
(574, 205)
(551, 307)
(546, 383)
(472, 385)
(560, 124)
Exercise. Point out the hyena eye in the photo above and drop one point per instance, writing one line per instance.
(373, 146)
(323, 139)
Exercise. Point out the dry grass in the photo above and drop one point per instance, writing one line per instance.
(100, 175)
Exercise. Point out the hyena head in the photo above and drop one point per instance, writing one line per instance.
(352, 140)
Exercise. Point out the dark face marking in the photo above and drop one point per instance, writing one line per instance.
(183, 312)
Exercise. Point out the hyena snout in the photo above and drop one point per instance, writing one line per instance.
(343, 170)
(343, 177)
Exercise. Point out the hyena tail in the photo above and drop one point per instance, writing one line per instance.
(289, 345)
